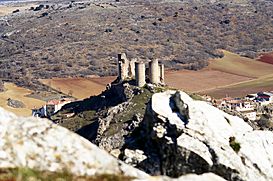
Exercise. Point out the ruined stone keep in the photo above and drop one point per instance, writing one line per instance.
(133, 69)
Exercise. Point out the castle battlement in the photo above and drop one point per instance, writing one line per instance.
(134, 69)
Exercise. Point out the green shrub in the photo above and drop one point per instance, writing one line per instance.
(234, 145)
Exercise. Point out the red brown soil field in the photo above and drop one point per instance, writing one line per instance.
(79, 87)
(195, 81)
(231, 75)
(266, 57)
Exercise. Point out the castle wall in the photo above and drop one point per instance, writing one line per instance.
(123, 64)
(131, 72)
(161, 73)
(140, 74)
(130, 69)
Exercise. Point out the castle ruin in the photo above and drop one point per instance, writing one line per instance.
(133, 69)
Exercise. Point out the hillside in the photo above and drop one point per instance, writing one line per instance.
(252, 76)
(61, 39)
(166, 132)
(238, 65)
(243, 88)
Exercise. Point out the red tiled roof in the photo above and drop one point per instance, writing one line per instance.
(56, 102)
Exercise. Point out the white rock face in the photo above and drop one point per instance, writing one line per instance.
(209, 129)
(134, 156)
(39, 144)
(191, 177)
(42, 145)
(203, 177)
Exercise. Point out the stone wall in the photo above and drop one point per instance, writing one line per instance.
(127, 70)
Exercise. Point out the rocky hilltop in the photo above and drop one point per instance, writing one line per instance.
(179, 135)
(166, 132)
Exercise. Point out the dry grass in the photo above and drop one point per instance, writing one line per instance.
(79, 87)
(238, 65)
(23, 174)
(19, 93)
(195, 81)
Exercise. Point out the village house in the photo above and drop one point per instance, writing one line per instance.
(50, 108)
(245, 107)
(264, 98)
(248, 106)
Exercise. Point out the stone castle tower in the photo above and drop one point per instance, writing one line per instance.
(133, 69)
(140, 74)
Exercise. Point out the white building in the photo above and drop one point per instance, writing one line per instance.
(50, 108)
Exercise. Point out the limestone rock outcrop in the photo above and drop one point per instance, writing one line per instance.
(40, 144)
(191, 177)
(180, 135)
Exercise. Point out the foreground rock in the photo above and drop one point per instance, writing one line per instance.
(179, 135)
(170, 134)
(42, 145)
(38, 144)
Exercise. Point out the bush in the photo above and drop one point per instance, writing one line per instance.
(234, 145)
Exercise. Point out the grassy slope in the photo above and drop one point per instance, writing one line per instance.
(238, 90)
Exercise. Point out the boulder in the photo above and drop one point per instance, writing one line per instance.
(40, 144)
(180, 135)
(15, 103)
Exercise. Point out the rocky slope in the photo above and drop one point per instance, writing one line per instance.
(41, 145)
(179, 135)
(169, 133)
